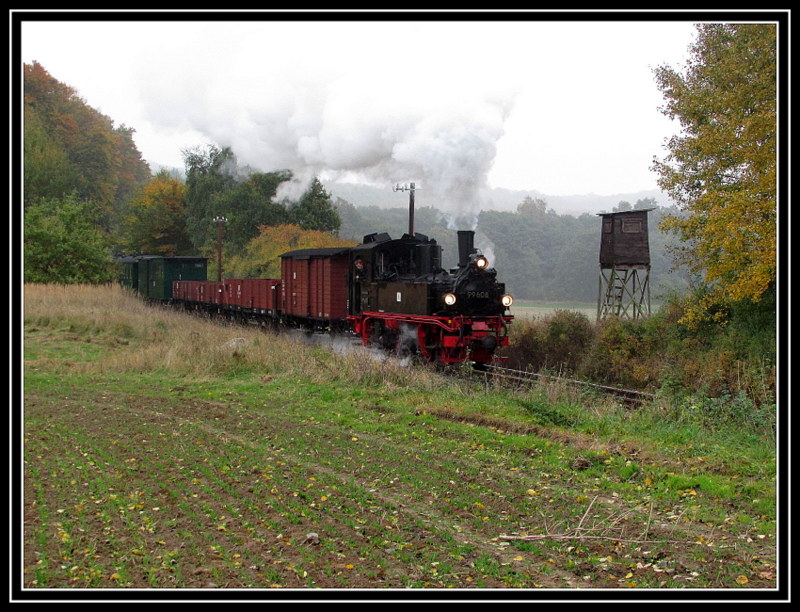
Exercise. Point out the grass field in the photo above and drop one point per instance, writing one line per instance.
(527, 309)
(165, 451)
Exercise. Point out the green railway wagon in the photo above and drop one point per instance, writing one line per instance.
(128, 272)
(155, 274)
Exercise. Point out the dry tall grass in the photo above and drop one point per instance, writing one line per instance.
(148, 338)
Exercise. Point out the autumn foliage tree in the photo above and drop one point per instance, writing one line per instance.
(71, 148)
(261, 257)
(722, 167)
(156, 221)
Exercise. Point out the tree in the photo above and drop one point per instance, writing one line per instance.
(722, 168)
(156, 222)
(209, 174)
(63, 243)
(133, 174)
(314, 211)
(71, 147)
(217, 186)
(47, 171)
(261, 257)
(532, 207)
(249, 204)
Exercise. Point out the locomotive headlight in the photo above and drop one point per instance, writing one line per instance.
(506, 300)
(481, 262)
(449, 299)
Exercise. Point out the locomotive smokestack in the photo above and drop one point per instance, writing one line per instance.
(466, 242)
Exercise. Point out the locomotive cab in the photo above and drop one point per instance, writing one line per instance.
(400, 275)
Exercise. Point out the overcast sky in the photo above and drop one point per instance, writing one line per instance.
(562, 108)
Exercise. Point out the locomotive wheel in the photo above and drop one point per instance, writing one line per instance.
(429, 343)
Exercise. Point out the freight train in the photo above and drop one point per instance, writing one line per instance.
(390, 293)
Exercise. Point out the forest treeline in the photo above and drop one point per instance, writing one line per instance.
(89, 194)
(540, 255)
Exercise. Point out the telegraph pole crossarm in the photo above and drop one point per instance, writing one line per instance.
(411, 189)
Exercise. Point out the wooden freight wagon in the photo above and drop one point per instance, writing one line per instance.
(232, 292)
(256, 295)
(198, 292)
(314, 286)
(261, 295)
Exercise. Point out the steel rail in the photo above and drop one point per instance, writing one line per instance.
(524, 376)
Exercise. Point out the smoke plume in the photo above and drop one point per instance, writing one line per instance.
(346, 122)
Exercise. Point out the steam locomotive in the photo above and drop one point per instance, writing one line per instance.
(403, 299)
(391, 293)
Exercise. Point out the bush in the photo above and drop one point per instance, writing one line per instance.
(625, 353)
(557, 342)
(733, 360)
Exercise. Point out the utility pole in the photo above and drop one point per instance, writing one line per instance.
(411, 191)
(219, 220)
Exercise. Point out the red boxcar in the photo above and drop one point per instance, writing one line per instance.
(202, 292)
(256, 294)
(314, 284)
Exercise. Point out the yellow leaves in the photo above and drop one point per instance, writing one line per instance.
(63, 536)
(156, 221)
(262, 253)
(724, 168)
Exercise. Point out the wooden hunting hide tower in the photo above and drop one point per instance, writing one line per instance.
(624, 289)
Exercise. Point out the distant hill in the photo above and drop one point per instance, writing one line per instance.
(497, 199)
(362, 195)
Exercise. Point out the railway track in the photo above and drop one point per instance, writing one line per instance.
(630, 397)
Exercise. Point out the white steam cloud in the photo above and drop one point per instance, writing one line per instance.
(440, 132)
